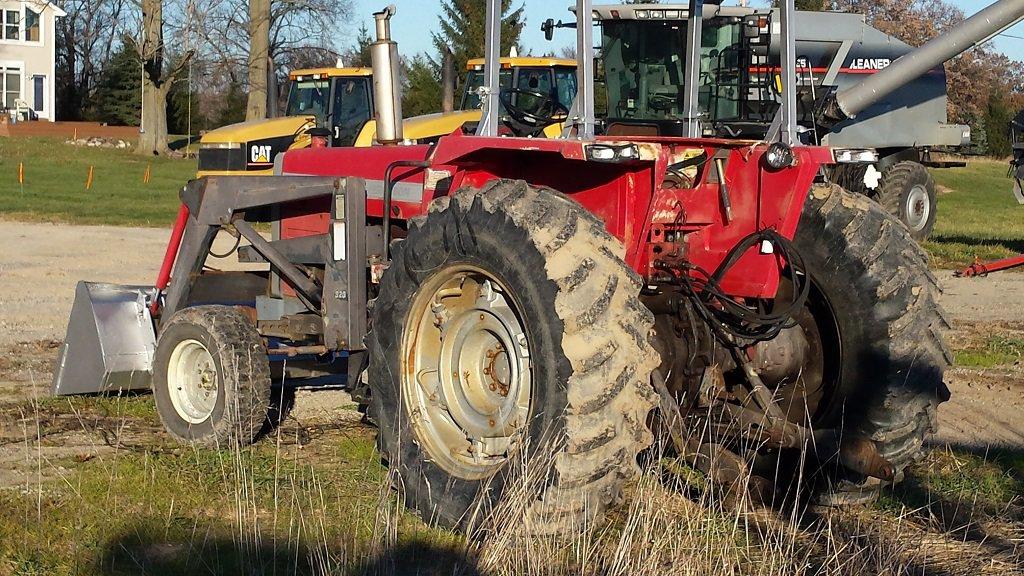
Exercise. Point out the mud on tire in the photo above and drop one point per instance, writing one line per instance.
(590, 358)
(239, 402)
(883, 298)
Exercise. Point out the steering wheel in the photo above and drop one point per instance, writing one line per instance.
(548, 110)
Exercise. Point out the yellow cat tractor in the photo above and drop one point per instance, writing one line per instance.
(536, 90)
(340, 98)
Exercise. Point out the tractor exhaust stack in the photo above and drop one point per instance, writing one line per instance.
(387, 80)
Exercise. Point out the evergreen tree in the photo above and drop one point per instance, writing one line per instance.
(178, 100)
(116, 99)
(423, 88)
(359, 55)
(463, 28)
(234, 101)
(997, 119)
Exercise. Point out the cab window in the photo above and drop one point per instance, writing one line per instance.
(565, 83)
(309, 97)
(474, 80)
(351, 109)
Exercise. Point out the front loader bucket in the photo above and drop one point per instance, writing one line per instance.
(110, 341)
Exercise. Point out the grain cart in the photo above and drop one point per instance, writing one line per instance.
(889, 144)
(523, 303)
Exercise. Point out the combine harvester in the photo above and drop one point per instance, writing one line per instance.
(528, 300)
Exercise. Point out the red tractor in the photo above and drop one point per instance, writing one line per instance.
(496, 300)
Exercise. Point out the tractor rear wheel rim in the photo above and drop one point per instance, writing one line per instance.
(192, 381)
(466, 371)
(918, 208)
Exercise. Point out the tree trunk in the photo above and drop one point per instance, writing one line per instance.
(259, 55)
(273, 90)
(153, 139)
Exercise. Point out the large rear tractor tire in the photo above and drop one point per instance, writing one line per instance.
(907, 191)
(508, 350)
(874, 302)
(211, 377)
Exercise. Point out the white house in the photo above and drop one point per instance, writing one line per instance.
(28, 54)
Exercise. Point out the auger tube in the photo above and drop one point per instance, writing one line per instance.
(975, 30)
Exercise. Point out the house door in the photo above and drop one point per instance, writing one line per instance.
(39, 93)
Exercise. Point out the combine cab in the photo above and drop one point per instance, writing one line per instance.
(503, 305)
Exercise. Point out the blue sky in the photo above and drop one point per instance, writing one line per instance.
(417, 18)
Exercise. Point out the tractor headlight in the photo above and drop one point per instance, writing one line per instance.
(219, 145)
(222, 156)
(854, 156)
(612, 152)
(778, 156)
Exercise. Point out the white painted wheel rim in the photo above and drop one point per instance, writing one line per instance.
(192, 381)
(918, 208)
(466, 379)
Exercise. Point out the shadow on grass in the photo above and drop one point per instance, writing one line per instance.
(183, 142)
(1011, 244)
(146, 549)
(971, 494)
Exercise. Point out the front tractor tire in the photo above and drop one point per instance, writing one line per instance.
(907, 191)
(874, 301)
(508, 350)
(211, 377)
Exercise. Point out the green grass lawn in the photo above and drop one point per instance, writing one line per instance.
(54, 184)
(978, 215)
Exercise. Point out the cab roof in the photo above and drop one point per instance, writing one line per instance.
(665, 11)
(330, 72)
(516, 61)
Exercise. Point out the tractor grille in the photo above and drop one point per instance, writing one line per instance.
(217, 159)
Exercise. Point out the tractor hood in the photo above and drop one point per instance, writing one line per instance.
(429, 127)
(244, 132)
(423, 129)
(438, 124)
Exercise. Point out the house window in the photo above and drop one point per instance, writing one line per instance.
(10, 83)
(12, 19)
(32, 25)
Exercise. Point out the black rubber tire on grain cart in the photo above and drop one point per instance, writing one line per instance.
(907, 191)
(872, 280)
(211, 377)
(587, 337)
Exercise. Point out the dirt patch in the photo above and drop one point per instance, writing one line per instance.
(72, 130)
(42, 263)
